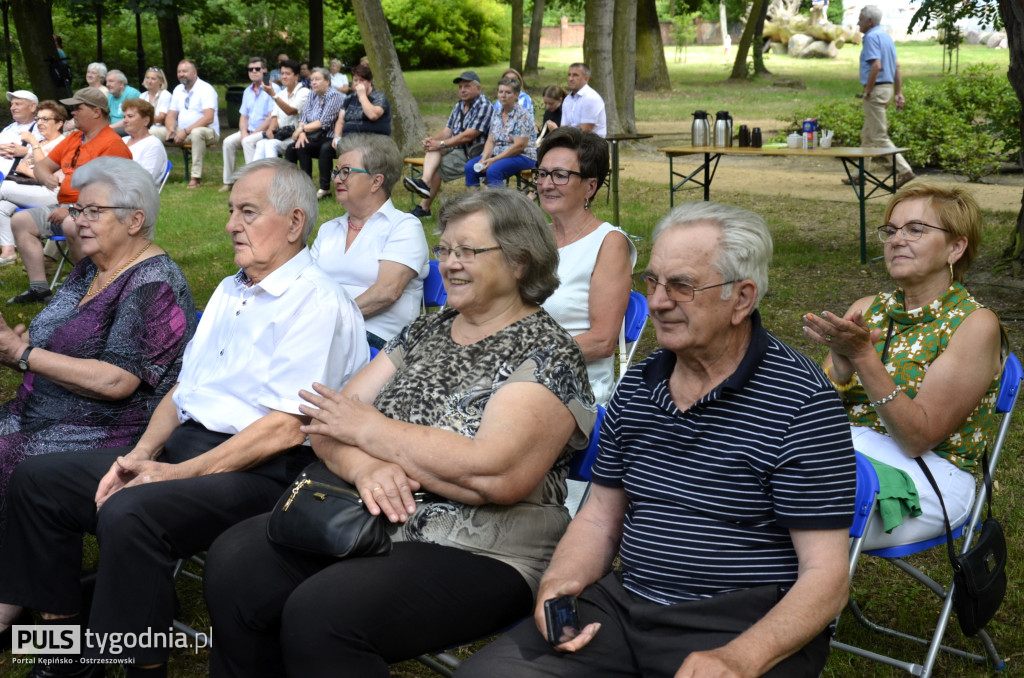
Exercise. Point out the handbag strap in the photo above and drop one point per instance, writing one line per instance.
(945, 516)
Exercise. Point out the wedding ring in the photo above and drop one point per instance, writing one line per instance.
(828, 338)
(375, 489)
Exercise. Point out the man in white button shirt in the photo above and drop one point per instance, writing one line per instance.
(221, 447)
(193, 116)
(584, 107)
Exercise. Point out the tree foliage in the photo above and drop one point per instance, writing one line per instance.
(447, 33)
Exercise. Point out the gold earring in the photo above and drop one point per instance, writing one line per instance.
(952, 276)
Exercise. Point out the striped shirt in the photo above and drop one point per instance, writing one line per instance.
(713, 491)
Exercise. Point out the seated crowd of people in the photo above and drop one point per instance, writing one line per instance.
(165, 436)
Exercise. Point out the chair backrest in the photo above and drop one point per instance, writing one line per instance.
(434, 293)
(632, 327)
(163, 180)
(579, 469)
(867, 489)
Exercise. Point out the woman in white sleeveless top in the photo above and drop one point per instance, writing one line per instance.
(595, 258)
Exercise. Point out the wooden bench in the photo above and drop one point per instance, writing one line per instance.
(415, 172)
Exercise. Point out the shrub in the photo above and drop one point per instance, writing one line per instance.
(964, 123)
(447, 33)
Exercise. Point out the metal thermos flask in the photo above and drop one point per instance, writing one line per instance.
(744, 136)
(723, 129)
(700, 130)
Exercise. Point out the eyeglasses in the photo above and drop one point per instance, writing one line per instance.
(345, 172)
(912, 230)
(255, 69)
(40, 118)
(559, 177)
(676, 291)
(463, 253)
(92, 212)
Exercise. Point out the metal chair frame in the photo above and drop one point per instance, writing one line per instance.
(1008, 394)
(632, 327)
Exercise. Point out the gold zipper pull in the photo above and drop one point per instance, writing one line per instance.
(295, 491)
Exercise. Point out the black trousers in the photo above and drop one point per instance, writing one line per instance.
(278, 611)
(142, 531)
(640, 638)
(322, 151)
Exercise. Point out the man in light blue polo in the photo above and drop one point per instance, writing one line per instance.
(253, 121)
(880, 76)
(120, 91)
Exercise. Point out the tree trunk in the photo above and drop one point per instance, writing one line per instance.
(1012, 13)
(758, 45)
(624, 67)
(5, 6)
(515, 58)
(739, 67)
(536, 25)
(597, 53)
(723, 22)
(140, 49)
(407, 128)
(316, 33)
(651, 69)
(38, 51)
(99, 31)
(171, 43)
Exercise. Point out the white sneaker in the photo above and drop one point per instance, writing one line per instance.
(321, 194)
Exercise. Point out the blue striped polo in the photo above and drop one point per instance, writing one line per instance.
(713, 491)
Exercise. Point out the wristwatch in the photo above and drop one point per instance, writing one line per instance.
(442, 143)
(23, 361)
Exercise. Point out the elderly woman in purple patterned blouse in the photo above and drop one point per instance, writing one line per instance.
(108, 346)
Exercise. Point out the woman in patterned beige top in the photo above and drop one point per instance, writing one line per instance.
(479, 406)
(918, 368)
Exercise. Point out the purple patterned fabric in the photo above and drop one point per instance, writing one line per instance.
(140, 323)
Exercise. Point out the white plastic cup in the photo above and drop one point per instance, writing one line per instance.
(478, 168)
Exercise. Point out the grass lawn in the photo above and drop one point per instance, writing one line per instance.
(816, 267)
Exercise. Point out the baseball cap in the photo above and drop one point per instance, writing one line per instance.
(23, 94)
(90, 96)
(470, 76)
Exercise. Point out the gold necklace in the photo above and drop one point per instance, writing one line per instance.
(118, 272)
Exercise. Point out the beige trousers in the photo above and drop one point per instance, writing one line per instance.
(875, 133)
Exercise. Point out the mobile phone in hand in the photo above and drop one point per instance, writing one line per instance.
(266, 78)
(563, 619)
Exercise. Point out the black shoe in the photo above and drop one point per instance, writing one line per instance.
(416, 186)
(30, 296)
(419, 212)
(71, 670)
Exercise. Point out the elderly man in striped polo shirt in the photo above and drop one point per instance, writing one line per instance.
(725, 482)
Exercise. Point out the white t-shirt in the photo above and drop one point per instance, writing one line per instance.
(389, 235)
(338, 80)
(150, 153)
(584, 107)
(257, 345)
(297, 100)
(191, 104)
(162, 103)
(12, 135)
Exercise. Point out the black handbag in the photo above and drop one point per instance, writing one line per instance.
(979, 575)
(284, 133)
(321, 513)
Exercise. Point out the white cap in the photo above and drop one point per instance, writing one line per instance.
(23, 94)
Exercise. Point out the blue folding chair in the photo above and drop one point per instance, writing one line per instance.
(445, 663)
(632, 327)
(163, 179)
(434, 293)
(1007, 400)
(62, 246)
